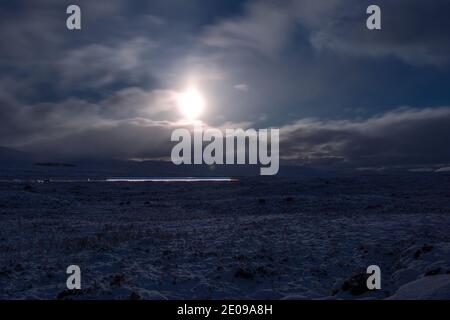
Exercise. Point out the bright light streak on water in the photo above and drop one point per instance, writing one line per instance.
(127, 179)
(174, 179)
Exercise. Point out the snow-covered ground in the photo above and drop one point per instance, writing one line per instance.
(256, 238)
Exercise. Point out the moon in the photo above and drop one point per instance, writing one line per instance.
(191, 103)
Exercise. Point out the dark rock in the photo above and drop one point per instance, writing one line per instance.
(243, 273)
(67, 294)
(135, 296)
(373, 206)
(118, 280)
(18, 268)
(433, 272)
(357, 284)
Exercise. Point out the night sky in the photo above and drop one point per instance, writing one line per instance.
(342, 95)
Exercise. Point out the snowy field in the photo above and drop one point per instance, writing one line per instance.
(256, 238)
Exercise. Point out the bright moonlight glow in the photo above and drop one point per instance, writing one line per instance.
(191, 103)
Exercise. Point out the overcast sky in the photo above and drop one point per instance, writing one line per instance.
(340, 94)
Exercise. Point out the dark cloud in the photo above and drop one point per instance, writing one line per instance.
(97, 65)
(401, 137)
(127, 139)
(415, 32)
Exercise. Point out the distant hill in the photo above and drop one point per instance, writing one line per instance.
(12, 156)
(54, 164)
(18, 164)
